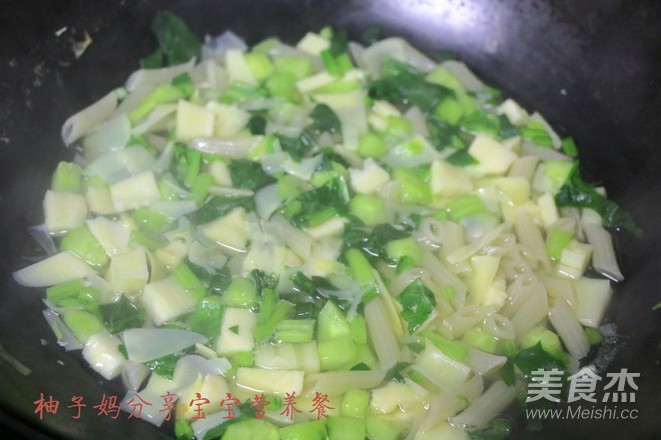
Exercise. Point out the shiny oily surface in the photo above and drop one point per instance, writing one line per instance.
(592, 68)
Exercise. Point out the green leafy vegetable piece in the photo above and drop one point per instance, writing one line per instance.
(395, 372)
(339, 42)
(219, 281)
(263, 280)
(494, 96)
(535, 358)
(404, 263)
(361, 366)
(247, 174)
(164, 366)
(404, 85)
(153, 61)
(577, 193)
(206, 317)
(122, 349)
(499, 429)
(443, 135)
(257, 125)
(184, 84)
(336, 58)
(324, 119)
(121, 315)
(373, 243)
(185, 164)
(305, 296)
(330, 160)
(481, 121)
(320, 204)
(505, 128)
(536, 132)
(461, 158)
(216, 282)
(218, 206)
(177, 43)
(265, 328)
(297, 147)
(506, 372)
(418, 303)
(311, 285)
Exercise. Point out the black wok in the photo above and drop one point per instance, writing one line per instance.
(592, 67)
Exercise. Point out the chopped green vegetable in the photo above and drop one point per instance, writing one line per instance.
(450, 348)
(189, 280)
(298, 147)
(67, 177)
(82, 324)
(150, 221)
(395, 372)
(247, 174)
(218, 206)
(569, 147)
(82, 242)
(465, 207)
(164, 366)
(529, 360)
(461, 158)
(499, 429)
(185, 164)
(240, 91)
(184, 84)
(263, 280)
(177, 43)
(324, 119)
(295, 330)
(480, 121)
(162, 94)
(373, 243)
(257, 125)
(306, 297)
(403, 85)
(594, 335)
(207, 317)
(556, 241)
(577, 193)
(536, 132)
(320, 204)
(122, 315)
(418, 303)
(283, 310)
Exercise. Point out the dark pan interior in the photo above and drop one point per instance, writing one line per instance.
(592, 67)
